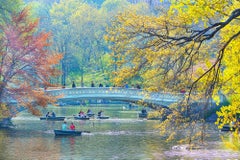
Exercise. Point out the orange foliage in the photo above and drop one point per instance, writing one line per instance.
(26, 63)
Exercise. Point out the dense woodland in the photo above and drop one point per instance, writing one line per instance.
(166, 45)
(78, 28)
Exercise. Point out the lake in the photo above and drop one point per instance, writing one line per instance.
(122, 137)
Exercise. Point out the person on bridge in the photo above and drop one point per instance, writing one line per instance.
(92, 84)
(72, 126)
(126, 85)
(138, 86)
(144, 111)
(73, 85)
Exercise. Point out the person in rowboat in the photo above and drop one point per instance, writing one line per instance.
(48, 114)
(64, 125)
(81, 114)
(100, 113)
(89, 111)
(53, 114)
(72, 126)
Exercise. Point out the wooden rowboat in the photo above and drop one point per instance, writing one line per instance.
(52, 118)
(154, 118)
(142, 115)
(103, 117)
(81, 118)
(67, 133)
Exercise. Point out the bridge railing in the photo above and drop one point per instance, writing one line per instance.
(117, 92)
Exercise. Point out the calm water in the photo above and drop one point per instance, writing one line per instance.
(122, 137)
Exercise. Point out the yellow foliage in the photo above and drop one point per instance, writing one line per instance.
(4, 111)
(231, 141)
(193, 44)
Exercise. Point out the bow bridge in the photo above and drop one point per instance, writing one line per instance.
(115, 94)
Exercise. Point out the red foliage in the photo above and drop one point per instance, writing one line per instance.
(26, 62)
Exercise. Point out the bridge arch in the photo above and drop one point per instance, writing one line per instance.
(116, 94)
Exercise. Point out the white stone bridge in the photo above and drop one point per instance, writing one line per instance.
(115, 94)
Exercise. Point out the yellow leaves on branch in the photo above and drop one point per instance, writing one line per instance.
(171, 51)
(199, 11)
(229, 114)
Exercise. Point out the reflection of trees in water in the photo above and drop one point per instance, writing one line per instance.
(231, 142)
(50, 125)
(2, 144)
(72, 143)
(24, 147)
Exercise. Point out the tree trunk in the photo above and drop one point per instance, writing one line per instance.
(82, 84)
(63, 72)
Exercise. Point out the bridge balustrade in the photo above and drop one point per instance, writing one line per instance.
(116, 93)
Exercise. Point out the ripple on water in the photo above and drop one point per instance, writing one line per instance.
(49, 132)
(113, 133)
(25, 118)
(206, 154)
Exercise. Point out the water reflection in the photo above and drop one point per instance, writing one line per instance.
(231, 141)
(116, 138)
(33, 148)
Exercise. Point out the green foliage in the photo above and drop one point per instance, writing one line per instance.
(9, 7)
(78, 29)
(114, 6)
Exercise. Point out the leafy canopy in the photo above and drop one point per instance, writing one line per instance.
(192, 45)
(26, 63)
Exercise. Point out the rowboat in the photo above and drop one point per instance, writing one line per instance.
(52, 118)
(103, 117)
(142, 115)
(154, 118)
(67, 133)
(81, 118)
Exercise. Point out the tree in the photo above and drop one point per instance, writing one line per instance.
(40, 9)
(63, 32)
(78, 33)
(89, 26)
(26, 64)
(8, 7)
(192, 45)
(112, 8)
(85, 27)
